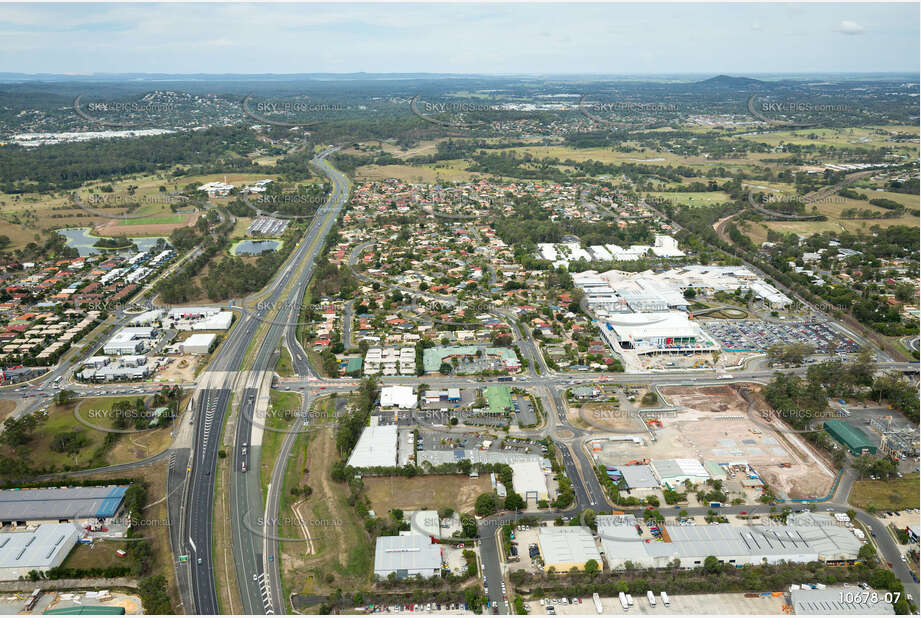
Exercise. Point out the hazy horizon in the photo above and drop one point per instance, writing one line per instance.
(461, 39)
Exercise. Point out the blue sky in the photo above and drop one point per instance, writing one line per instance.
(460, 38)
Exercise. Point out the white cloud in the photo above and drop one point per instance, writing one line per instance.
(850, 27)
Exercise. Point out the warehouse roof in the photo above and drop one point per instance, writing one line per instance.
(808, 540)
(410, 552)
(36, 549)
(377, 446)
(567, 544)
(829, 602)
(528, 477)
(398, 396)
(638, 477)
(670, 468)
(60, 502)
(847, 433)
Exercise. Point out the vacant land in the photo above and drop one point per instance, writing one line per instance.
(425, 492)
(713, 424)
(886, 495)
(342, 555)
(453, 170)
(99, 554)
(6, 406)
(706, 198)
(61, 421)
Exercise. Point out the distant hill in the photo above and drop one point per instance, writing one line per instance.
(725, 81)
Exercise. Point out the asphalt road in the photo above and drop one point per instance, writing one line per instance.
(257, 577)
(199, 507)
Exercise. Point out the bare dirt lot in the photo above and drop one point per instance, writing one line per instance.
(713, 424)
(608, 416)
(179, 369)
(433, 492)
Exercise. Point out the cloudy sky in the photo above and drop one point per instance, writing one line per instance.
(460, 38)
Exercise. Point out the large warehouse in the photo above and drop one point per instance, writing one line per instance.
(667, 331)
(819, 539)
(199, 343)
(565, 547)
(674, 472)
(529, 481)
(407, 555)
(84, 506)
(377, 447)
(852, 437)
(831, 602)
(37, 550)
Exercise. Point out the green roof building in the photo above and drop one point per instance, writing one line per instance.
(498, 399)
(853, 438)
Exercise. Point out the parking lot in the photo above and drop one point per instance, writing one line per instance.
(759, 335)
(684, 604)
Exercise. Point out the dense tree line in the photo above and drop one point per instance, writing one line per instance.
(67, 166)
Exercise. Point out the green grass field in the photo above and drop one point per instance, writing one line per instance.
(706, 198)
(893, 494)
(155, 220)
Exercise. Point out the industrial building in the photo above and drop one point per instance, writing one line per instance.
(831, 602)
(636, 477)
(819, 539)
(129, 340)
(529, 481)
(565, 547)
(852, 437)
(672, 473)
(376, 447)
(40, 549)
(85, 506)
(199, 343)
(662, 332)
(451, 395)
(401, 397)
(407, 556)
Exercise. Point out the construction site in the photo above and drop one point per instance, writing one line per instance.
(713, 426)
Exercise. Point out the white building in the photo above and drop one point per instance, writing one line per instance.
(565, 547)
(529, 481)
(674, 472)
(376, 447)
(39, 550)
(669, 331)
(407, 556)
(401, 397)
(216, 189)
(199, 343)
(129, 340)
(730, 544)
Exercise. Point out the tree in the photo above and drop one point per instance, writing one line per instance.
(485, 504)
(591, 567)
(514, 502)
(867, 553)
(650, 399)
(712, 564)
